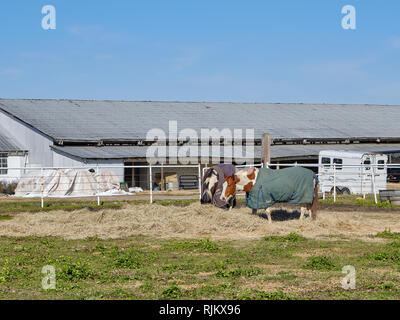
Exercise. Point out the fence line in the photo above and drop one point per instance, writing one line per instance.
(87, 181)
(315, 165)
(367, 174)
(368, 178)
(339, 168)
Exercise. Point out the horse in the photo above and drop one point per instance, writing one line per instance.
(211, 187)
(293, 185)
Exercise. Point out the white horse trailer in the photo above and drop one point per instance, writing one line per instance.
(350, 173)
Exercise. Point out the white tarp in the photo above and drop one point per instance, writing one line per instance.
(70, 182)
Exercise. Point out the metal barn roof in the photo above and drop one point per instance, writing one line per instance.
(7, 144)
(287, 151)
(277, 151)
(84, 120)
(123, 152)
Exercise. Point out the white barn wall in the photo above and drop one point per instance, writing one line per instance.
(37, 144)
(61, 160)
(118, 171)
(13, 175)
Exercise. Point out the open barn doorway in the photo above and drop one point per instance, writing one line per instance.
(136, 177)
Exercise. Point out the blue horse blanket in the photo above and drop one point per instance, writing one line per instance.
(293, 185)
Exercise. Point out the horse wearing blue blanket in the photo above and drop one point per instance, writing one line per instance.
(265, 187)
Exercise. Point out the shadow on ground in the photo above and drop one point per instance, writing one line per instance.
(278, 214)
(281, 215)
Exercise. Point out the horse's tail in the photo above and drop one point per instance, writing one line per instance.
(314, 204)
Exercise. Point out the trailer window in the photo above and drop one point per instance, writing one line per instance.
(338, 163)
(367, 162)
(326, 162)
(381, 164)
(3, 163)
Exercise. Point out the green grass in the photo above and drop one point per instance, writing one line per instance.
(203, 245)
(262, 295)
(172, 292)
(386, 255)
(235, 273)
(320, 263)
(293, 237)
(387, 234)
(75, 271)
(141, 267)
(33, 205)
(357, 200)
(185, 202)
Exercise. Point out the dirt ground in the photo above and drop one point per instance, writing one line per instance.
(200, 221)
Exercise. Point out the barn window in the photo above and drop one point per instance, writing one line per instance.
(381, 164)
(338, 163)
(3, 163)
(326, 162)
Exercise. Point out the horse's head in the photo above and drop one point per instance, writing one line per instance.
(229, 188)
(210, 186)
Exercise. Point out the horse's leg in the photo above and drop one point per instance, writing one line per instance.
(309, 210)
(303, 209)
(232, 204)
(268, 212)
(314, 205)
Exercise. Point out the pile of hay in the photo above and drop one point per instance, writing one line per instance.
(194, 221)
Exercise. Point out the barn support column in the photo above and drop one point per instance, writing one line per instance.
(162, 177)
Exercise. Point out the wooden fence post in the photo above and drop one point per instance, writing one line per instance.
(266, 149)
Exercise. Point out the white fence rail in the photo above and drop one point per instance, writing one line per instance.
(356, 179)
(99, 181)
(334, 178)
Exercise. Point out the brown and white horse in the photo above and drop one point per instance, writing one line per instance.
(244, 180)
(212, 183)
(209, 185)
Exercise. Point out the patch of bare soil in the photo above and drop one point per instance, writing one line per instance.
(267, 286)
(197, 221)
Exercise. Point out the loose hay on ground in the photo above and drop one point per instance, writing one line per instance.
(194, 221)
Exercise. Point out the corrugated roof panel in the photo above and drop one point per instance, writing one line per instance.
(282, 151)
(277, 151)
(101, 120)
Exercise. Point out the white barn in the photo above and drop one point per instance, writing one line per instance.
(70, 133)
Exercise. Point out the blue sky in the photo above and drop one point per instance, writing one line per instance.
(251, 51)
